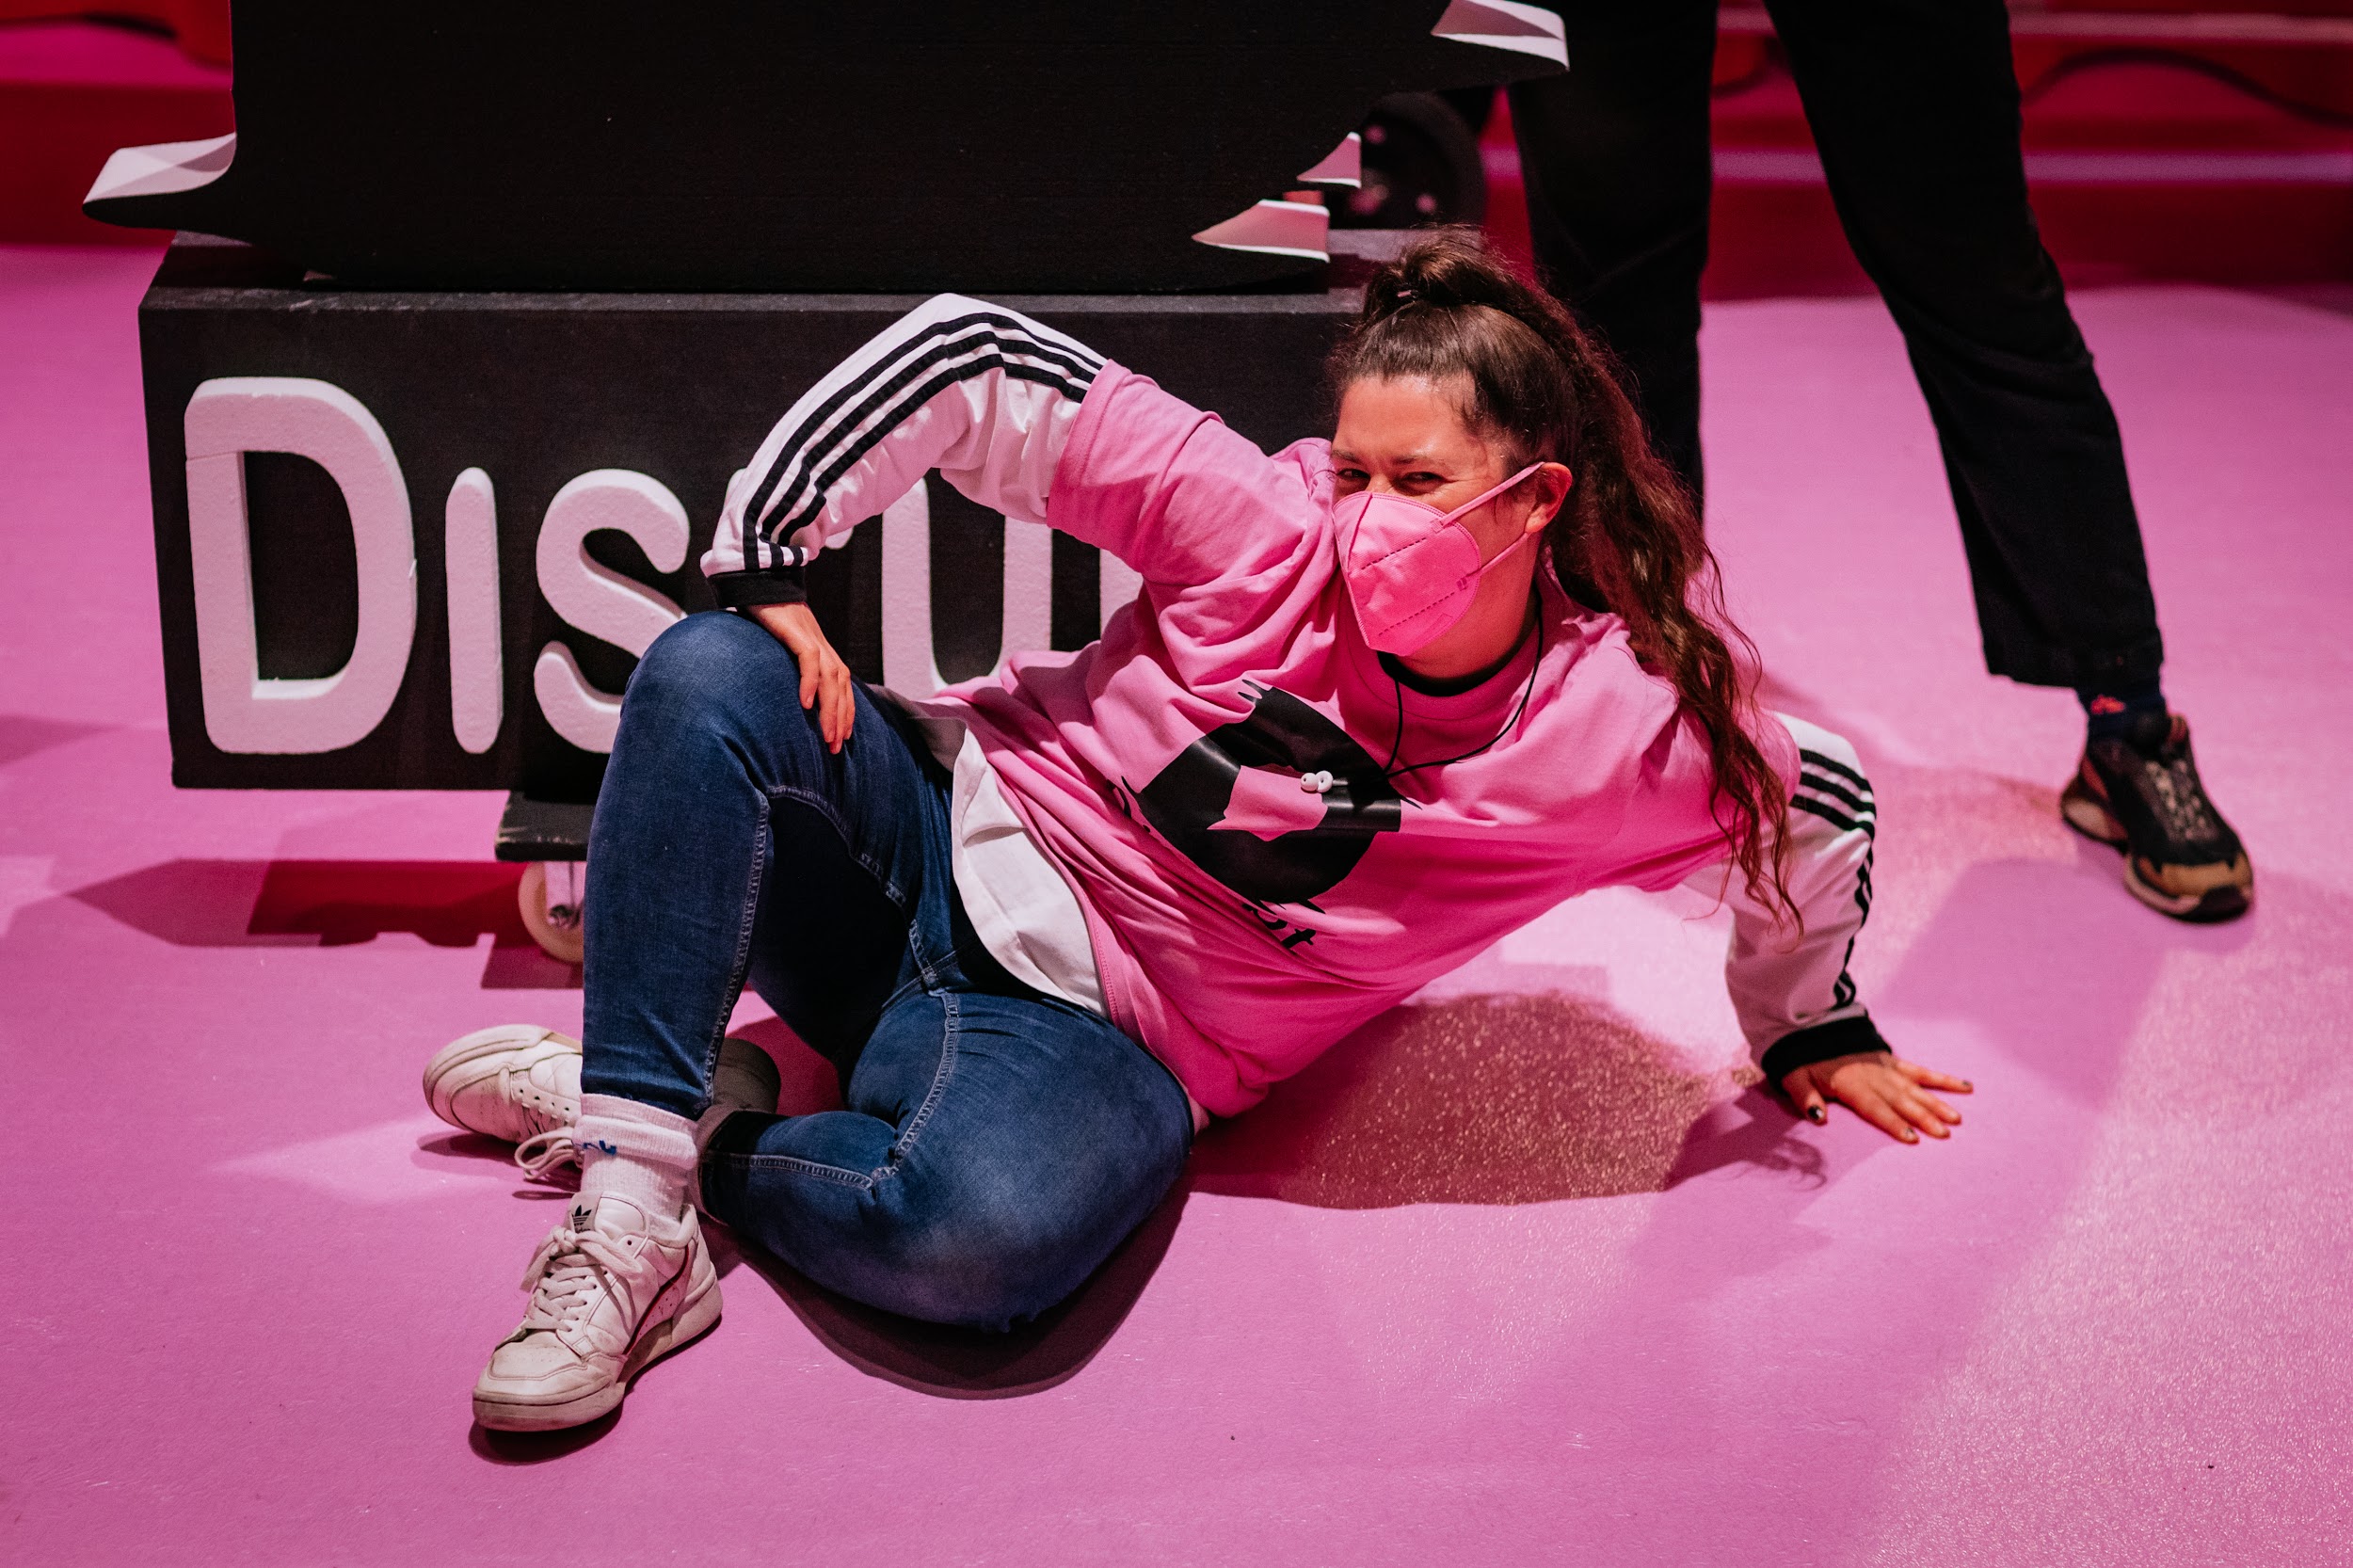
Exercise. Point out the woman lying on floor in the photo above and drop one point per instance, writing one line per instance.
(1368, 715)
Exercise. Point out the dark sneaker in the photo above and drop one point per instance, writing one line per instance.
(2140, 794)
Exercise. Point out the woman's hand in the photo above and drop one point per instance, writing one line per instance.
(1882, 1088)
(824, 679)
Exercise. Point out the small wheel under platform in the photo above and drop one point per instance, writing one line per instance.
(550, 839)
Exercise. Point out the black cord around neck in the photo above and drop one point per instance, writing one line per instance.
(1392, 773)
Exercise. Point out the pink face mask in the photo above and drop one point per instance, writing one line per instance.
(1411, 570)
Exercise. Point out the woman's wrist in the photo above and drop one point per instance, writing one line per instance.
(1856, 1035)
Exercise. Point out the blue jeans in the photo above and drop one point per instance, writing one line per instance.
(996, 1145)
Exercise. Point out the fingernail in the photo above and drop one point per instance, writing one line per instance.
(1815, 1112)
(1966, 1084)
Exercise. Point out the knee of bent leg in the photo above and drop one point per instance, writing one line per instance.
(988, 1265)
(710, 652)
(710, 671)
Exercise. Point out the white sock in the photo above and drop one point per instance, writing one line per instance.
(637, 1152)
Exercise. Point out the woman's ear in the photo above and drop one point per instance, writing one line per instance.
(1552, 485)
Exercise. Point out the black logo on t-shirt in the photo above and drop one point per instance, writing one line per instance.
(1232, 802)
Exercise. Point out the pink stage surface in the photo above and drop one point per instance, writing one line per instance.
(1522, 1274)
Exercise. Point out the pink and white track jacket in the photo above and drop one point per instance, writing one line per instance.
(1240, 925)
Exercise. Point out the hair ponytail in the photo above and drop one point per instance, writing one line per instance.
(1628, 539)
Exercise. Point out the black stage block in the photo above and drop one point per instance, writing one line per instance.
(886, 144)
(533, 830)
(537, 388)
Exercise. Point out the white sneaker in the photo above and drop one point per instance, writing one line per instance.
(611, 1292)
(520, 1084)
(512, 1083)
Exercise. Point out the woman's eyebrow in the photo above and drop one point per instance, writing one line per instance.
(1418, 458)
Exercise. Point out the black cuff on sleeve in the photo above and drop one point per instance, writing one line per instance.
(746, 590)
(1805, 1046)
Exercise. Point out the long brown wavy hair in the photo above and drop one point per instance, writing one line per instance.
(1628, 539)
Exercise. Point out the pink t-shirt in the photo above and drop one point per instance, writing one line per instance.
(1243, 924)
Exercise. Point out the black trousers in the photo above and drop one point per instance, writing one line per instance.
(1914, 106)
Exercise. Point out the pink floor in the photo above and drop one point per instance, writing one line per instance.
(1519, 1276)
